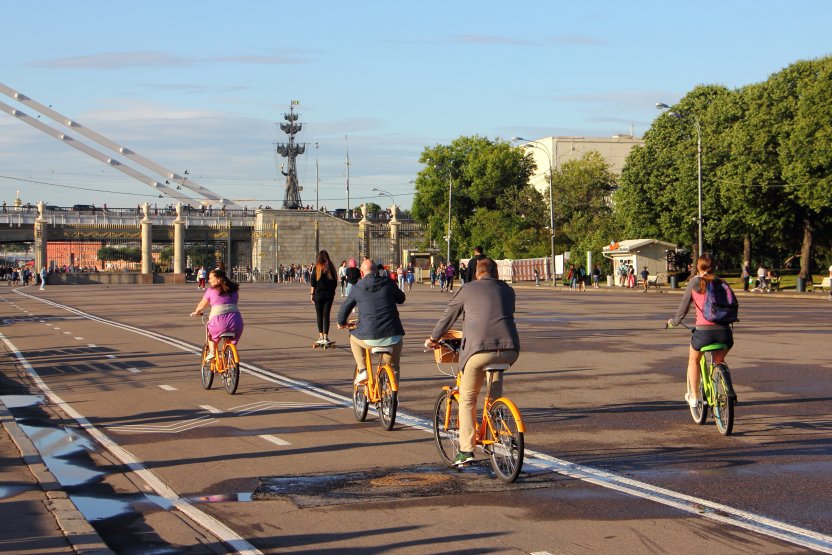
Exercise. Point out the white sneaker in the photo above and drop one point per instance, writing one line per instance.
(210, 356)
(361, 378)
(692, 400)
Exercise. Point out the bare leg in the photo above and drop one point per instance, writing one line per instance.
(693, 371)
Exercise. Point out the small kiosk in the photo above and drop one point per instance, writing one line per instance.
(639, 253)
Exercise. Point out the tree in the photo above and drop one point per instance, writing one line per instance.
(492, 203)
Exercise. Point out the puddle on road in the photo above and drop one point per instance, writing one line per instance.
(317, 490)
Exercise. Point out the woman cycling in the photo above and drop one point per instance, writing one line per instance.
(322, 283)
(705, 332)
(489, 337)
(221, 296)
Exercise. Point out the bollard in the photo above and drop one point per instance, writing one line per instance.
(801, 284)
(674, 282)
(610, 281)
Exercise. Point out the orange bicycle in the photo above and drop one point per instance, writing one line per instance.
(380, 389)
(499, 433)
(225, 363)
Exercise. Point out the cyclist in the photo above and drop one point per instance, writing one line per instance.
(489, 336)
(376, 297)
(705, 332)
(221, 295)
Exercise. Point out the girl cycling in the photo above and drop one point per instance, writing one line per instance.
(705, 332)
(221, 296)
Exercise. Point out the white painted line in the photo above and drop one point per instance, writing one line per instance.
(167, 387)
(111, 356)
(79, 338)
(209, 408)
(135, 370)
(274, 439)
(173, 428)
(67, 333)
(694, 505)
(217, 528)
(56, 328)
(93, 345)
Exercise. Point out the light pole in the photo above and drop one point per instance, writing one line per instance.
(683, 115)
(385, 194)
(538, 145)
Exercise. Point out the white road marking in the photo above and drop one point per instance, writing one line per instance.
(274, 439)
(212, 410)
(56, 328)
(79, 338)
(694, 505)
(110, 356)
(217, 528)
(174, 428)
(67, 333)
(167, 387)
(92, 345)
(251, 408)
(135, 370)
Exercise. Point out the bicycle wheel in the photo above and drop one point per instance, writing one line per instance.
(389, 398)
(507, 450)
(231, 376)
(446, 439)
(699, 413)
(359, 399)
(724, 401)
(207, 373)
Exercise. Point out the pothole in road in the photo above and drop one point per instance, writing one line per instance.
(381, 484)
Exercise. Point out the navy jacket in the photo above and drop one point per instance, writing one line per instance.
(376, 297)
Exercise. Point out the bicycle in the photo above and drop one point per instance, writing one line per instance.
(226, 361)
(715, 390)
(501, 430)
(381, 387)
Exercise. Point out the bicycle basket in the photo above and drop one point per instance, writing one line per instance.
(445, 355)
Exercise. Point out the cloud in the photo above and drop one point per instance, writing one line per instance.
(127, 60)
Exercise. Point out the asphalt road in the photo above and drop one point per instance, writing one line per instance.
(615, 462)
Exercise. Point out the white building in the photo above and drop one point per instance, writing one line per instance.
(559, 150)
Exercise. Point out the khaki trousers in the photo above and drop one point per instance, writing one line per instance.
(469, 390)
(358, 347)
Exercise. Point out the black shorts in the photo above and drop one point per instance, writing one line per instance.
(705, 335)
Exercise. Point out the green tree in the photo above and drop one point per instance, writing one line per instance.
(492, 203)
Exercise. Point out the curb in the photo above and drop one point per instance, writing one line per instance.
(80, 534)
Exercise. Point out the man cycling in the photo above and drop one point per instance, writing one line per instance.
(379, 325)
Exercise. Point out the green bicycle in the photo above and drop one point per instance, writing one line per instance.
(715, 390)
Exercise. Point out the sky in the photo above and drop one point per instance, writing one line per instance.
(202, 85)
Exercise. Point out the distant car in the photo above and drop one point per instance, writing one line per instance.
(84, 208)
(51, 208)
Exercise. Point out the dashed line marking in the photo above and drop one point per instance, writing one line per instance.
(274, 439)
(135, 370)
(79, 338)
(67, 333)
(212, 410)
(92, 345)
(110, 356)
(167, 387)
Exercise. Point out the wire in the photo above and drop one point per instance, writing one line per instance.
(71, 187)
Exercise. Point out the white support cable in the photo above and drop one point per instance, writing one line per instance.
(182, 180)
(160, 188)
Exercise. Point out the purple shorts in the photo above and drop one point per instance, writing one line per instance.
(231, 322)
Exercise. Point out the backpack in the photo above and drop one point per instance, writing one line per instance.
(721, 306)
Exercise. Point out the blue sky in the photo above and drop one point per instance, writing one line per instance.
(200, 86)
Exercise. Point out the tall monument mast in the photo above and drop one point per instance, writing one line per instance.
(291, 150)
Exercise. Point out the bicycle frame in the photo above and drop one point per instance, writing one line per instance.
(485, 424)
(706, 369)
(373, 392)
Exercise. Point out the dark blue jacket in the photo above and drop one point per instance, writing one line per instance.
(376, 297)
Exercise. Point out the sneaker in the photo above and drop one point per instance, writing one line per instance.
(692, 400)
(361, 378)
(463, 458)
(320, 341)
(210, 356)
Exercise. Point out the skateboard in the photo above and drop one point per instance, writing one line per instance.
(330, 345)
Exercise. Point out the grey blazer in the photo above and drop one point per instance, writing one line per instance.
(488, 325)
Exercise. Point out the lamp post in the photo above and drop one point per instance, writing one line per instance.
(538, 145)
(683, 115)
(385, 194)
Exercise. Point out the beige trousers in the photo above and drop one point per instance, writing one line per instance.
(392, 359)
(469, 390)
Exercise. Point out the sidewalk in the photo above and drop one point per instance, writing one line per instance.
(36, 515)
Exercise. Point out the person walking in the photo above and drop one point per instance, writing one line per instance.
(322, 283)
(450, 272)
(342, 278)
(353, 275)
(746, 276)
(43, 277)
(644, 275)
(596, 276)
(201, 276)
(471, 270)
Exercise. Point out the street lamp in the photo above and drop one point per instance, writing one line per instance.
(684, 115)
(538, 145)
(385, 194)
